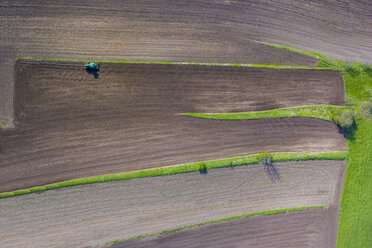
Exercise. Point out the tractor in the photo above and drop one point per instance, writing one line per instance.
(91, 66)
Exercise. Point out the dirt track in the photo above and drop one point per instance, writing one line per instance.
(91, 215)
(311, 228)
(72, 125)
(200, 31)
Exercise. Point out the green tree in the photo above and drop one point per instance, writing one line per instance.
(346, 119)
(264, 158)
(202, 167)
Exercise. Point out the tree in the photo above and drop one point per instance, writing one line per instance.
(202, 167)
(265, 158)
(346, 119)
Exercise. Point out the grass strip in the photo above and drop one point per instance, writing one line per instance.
(182, 168)
(324, 62)
(275, 66)
(355, 222)
(323, 112)
(234, 217)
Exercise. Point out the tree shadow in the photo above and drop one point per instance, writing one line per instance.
(349, 133)
(203, 171)
(272, 172)
(93, 72)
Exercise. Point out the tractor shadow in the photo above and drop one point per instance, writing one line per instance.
(93, 72)
(272, 172)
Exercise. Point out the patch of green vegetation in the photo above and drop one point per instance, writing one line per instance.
(324, 62)
(292, 49)
(265, 158)
(355, 223)
(345, 119)
(275, 66)
(183, 168)
(324, 112)
(235, 217)
(366, 110)
(202, 167)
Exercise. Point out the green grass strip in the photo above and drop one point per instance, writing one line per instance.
(275, 66)
(324, 112)
(324, 62)
(183, 168)
(292, 49)
(234, 217)
(355, 222)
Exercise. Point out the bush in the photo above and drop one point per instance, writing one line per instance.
(202, 167)
(345, 119)
(366, 110)
(264, 158)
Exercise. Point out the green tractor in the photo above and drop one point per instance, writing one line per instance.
(91, 66)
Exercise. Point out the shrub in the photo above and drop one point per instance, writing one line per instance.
(202, 167)
(345, 119)
(264, 158)
(366, 110)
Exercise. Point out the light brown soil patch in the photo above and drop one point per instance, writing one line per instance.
(71, 125)
(91, 215)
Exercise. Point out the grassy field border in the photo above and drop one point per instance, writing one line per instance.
(355, 221)
(323, 112)
(274, 66)
(324, 62)
(182, 168)
(229, 218)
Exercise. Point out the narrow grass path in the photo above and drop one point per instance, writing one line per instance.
(277, 66)
(323, 112)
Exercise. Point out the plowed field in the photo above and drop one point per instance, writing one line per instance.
(309, 228)
(192, 31)
(91, 215)
(71, 125)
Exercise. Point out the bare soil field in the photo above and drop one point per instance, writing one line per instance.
(91, 215)
(309, 228)
(194, 31)
(71, 125)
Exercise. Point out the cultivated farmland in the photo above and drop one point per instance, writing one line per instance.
(196, 31)
(97, 213)
(70, 125)
(307, 228)
(159, 60)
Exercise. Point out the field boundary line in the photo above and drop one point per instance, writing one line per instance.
(229, 218)
(182, 168)
(273, 66)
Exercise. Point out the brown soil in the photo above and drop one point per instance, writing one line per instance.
(71, 125)
(91, 215)
(310, 228)
(196, 31)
